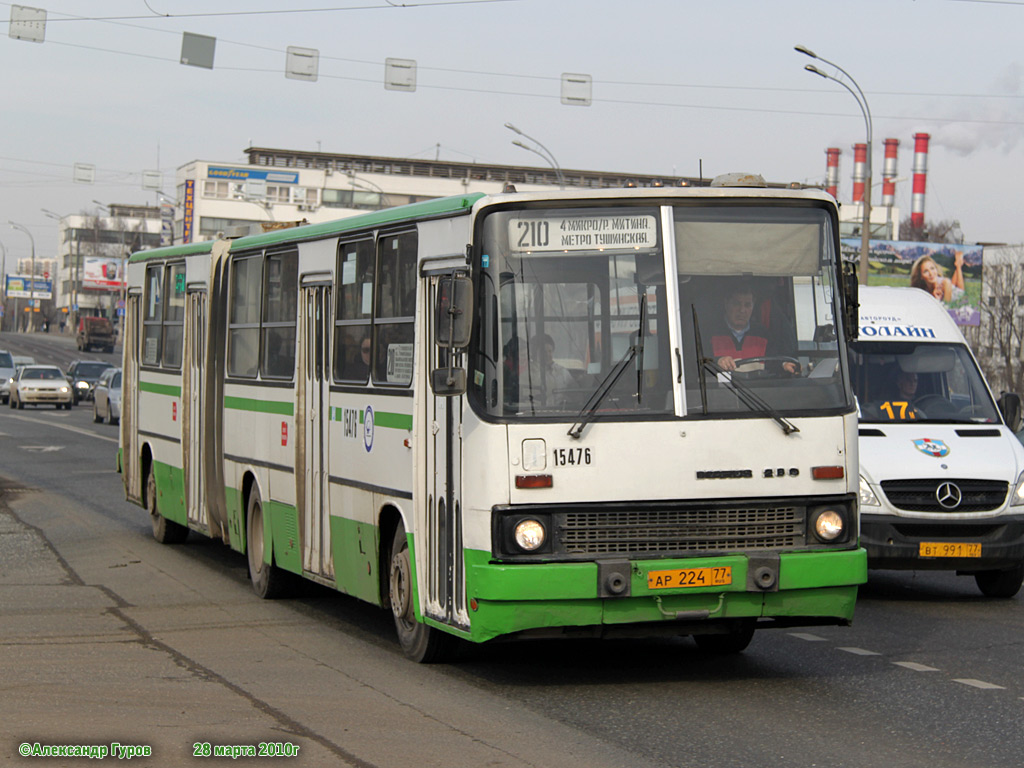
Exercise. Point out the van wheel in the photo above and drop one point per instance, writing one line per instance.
(268, 581)
(165, 531)
(419, 642)
(1000, 583)
(735, 641)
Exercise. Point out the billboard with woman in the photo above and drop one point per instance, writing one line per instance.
(950, 272)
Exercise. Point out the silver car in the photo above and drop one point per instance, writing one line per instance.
(40, 385)
(7, 371)
(106, 401)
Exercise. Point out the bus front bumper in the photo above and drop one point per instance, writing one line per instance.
(800, 588)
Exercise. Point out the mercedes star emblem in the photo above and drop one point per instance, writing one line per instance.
(948, 495)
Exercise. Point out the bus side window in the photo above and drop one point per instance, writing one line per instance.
(279, 314)
(395, 308)
(354, 290)
(244, 318)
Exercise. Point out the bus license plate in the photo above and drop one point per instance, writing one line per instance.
(690, 577)
(948, 549)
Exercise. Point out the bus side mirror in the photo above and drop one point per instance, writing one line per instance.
(851, 300)
(452, 316)
(1009, 406)
(448, 382)
(453, 325)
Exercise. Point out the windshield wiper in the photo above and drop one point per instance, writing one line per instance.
(745, 395)
(699, 351)
(636, 349)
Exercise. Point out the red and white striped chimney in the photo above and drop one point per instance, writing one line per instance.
(920, 176)
(832, 172)
(889, 172)
(860, 171)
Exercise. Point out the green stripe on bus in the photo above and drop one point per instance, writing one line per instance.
(389, 420)
(259, 406)
(160, 389)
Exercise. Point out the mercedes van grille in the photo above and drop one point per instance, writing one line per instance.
(923, 495)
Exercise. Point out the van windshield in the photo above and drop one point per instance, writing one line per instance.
(910, 381)
(6, 361)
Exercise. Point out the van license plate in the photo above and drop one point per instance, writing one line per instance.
(948, 549)
(690, 577)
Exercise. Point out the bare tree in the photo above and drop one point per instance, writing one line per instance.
(944, 231)
(1000, 339)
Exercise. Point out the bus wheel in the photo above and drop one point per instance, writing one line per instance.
(1000, 583)
(419, 642)
(735, 641)
(268, 581)
(165, 531)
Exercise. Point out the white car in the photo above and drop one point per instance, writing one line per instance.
(6, 374)
(106, 401)
(39, 385)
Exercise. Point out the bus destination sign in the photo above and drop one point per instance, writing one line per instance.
(551, 234)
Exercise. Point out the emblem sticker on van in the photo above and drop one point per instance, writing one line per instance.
(935, 448)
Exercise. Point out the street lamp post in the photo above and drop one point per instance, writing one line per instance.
(3, 285)
(862, 102)
(546, 154)
(76, 257)
(32, 277)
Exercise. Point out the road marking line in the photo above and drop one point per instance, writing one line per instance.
(807, 636)
(915, 666)
(979, 684)
(858, 651)
(68, 427)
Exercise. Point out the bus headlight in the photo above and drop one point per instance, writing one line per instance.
(829, 525)
(529, 535)
(1017, 499)
(867, 496)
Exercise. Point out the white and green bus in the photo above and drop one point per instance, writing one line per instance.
(509, 415)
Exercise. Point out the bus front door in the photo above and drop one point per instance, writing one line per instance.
(130, 457)
(192, 403)
(311, 420)
(444, 571)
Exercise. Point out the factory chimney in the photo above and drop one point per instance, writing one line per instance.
(889, 172)
(832, 172)
(920, 176)
(860, 171)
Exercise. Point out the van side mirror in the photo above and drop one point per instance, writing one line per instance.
(851, 300)
(453, 319)
(1009, 406)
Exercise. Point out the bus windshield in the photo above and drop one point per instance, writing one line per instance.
(579, 308)
(910, 381)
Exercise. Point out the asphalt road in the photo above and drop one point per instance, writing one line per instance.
(109, 636)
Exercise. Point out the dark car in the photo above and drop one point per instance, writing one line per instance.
(83, 375)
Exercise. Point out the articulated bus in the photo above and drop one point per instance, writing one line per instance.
(509, 416)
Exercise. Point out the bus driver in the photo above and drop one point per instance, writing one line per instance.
(739, 336)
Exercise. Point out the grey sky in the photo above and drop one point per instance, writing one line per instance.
(678, 86)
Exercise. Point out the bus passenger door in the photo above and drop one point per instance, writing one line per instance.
(130, 400)
(441, 429)
(312, 416)
(193, 404)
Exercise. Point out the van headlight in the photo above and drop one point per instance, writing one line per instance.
(867, 496)
(1017, 499)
